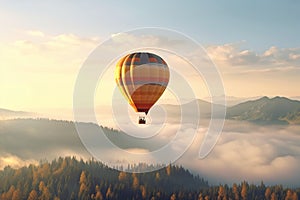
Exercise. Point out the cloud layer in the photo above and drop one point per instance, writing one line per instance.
(250, 152)
(244, 151)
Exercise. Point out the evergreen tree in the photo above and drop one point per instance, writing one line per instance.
(33, 195)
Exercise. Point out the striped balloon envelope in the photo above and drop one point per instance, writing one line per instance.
(142, 78)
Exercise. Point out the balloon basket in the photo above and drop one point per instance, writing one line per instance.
(142, 120)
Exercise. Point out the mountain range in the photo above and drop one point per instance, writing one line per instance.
(277, 110)
(264, 110)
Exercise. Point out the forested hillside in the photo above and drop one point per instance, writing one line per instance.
(69, 178)
(277, 110)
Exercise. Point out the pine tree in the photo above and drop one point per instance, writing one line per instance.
(135, 181)
(83, 189)
(173, 197)
(109, 193)
(44, 191)
(244, 191)
(16, 195)
(98, 195)
(268, 193)
(143, 191)
(157, 176)
(168, 170)
(33, 195)
(295, 196)
(273, 196)
(290, 195)
(10, 192)
(122, 176)
(200, 197)
(221, 192)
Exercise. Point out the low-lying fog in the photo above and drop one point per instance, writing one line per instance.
(244, 151)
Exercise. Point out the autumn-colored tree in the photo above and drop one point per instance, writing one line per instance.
(295, 196)
(135, 181)
(83, 189)
(98, 195)
(122, 176)
(290, 195)
(244, 191)
(273, 196)
(157, 176)
(173, 197)
(45, 194)
(44, 191)
(206, 197)
(16, 195)
(41, 186)
(33, 195)
(168, 170)
(143, 191)
(63, 166)
(8, 195)
(268, 193)
(235, 191)
(109, 193)
(200, 197)
(221, 192)
(44, 170)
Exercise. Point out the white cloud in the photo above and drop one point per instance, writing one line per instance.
(249, 152)
(46, 53)
(244, 151)
(233, 55)
(246, 72)
(15, 161)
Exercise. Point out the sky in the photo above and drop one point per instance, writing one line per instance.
(254, 44)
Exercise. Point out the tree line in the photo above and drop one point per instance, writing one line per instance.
(70, 178)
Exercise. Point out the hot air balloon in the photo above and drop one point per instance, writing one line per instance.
(142, 78)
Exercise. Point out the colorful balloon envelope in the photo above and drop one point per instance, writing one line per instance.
(142, 78)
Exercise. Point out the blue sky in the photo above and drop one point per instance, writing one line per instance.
(260, 23)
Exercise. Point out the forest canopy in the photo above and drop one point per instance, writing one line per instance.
(69, 178)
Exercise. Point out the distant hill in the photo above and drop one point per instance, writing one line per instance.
(10, 114)
(277, 110)
(35, 139)
(265, 110)
(204, 108)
